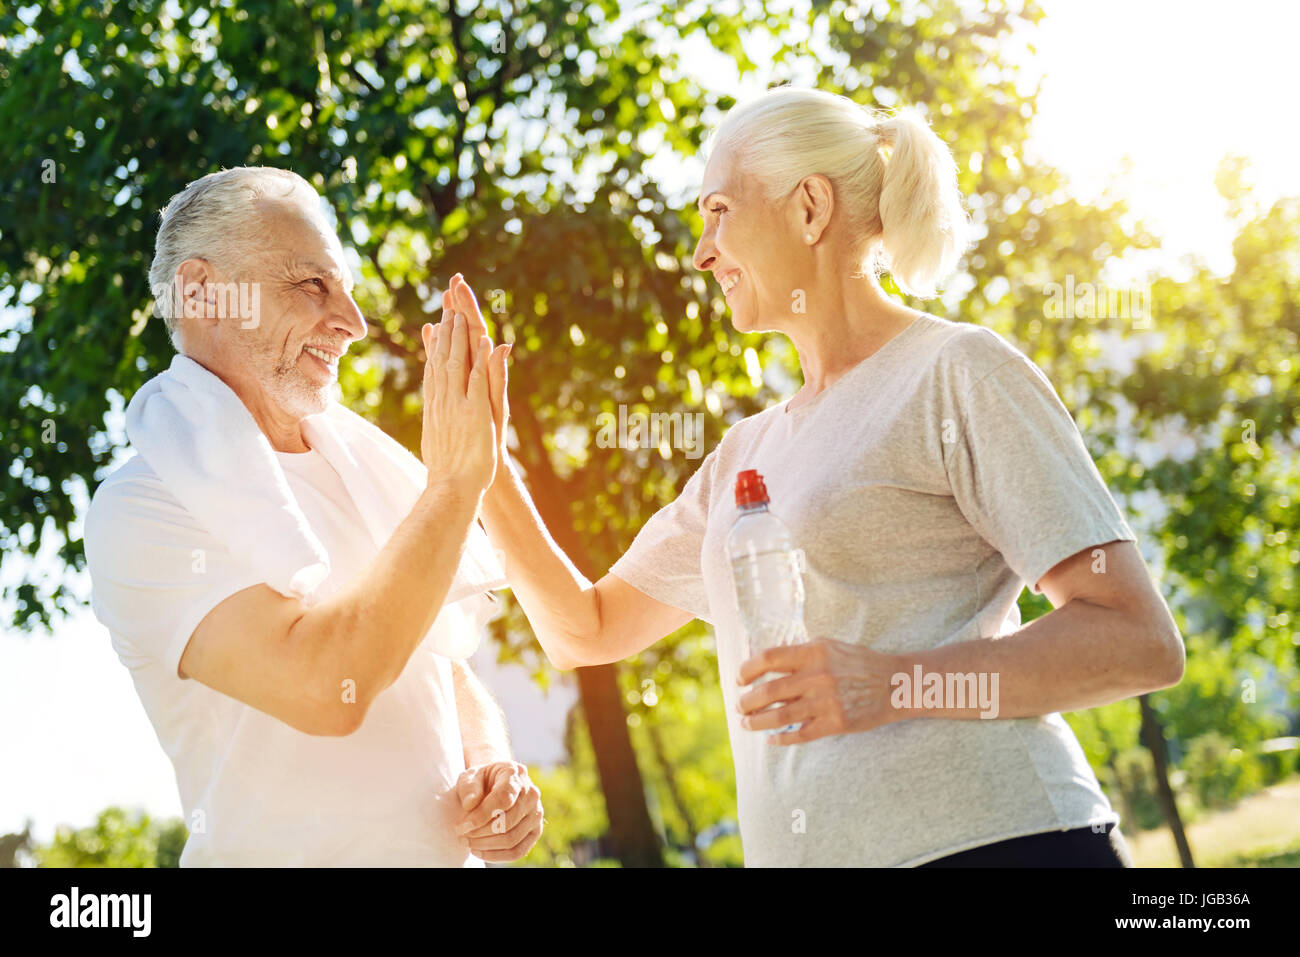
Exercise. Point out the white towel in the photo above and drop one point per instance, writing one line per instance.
(201, 440)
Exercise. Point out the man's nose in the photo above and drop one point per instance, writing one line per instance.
(349, 321)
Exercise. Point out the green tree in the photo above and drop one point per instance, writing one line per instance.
(118, 838)
(524, 145)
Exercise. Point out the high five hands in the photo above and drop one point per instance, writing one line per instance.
(465, 410)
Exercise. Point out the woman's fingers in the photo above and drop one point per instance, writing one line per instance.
(478, 388)
(497, 388)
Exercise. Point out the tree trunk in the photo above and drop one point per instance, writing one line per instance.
(1153, 736)
(631, 832)
(670, 781)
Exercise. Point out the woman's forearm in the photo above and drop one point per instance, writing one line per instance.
(561, 604)
(1081, 655)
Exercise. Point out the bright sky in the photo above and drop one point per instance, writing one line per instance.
(1174, 86)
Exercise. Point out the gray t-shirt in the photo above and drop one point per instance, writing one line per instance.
(926, 486)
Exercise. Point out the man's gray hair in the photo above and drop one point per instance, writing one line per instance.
(211, 219)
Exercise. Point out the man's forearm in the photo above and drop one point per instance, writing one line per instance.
(559, 601)
(1081, 655)
(482, 726)
(368, 632)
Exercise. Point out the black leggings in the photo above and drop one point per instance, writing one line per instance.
(1081, 847)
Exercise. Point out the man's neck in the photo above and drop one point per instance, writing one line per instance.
(282, 430)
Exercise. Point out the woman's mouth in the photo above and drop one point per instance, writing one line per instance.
(729, 282)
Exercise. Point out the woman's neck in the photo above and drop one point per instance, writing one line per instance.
(842, 327)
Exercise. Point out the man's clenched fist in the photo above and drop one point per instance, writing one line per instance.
(501, 811)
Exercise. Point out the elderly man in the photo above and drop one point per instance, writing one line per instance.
(293, 592)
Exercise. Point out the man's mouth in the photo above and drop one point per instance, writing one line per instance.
(326, 357)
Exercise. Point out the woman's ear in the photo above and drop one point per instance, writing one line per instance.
(815, 200)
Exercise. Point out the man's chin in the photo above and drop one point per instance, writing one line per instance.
(307, 400)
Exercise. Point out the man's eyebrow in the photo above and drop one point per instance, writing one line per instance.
(307, 265)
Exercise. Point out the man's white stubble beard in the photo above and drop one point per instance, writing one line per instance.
(294, 392)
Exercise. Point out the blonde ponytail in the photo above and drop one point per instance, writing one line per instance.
(923, 225)
(894, 180)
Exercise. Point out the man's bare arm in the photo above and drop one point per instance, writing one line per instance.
(482, 725)
(318, 669)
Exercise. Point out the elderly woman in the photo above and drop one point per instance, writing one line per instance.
(928, 470)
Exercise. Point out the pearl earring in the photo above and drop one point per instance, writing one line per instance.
(807, 237)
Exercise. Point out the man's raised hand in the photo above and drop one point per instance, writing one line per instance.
(460, 298)
(458, 443)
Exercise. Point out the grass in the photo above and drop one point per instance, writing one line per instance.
(1262, 830)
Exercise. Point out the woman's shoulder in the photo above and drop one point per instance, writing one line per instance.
(967, 352)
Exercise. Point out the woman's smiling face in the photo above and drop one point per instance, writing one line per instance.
(747, 245)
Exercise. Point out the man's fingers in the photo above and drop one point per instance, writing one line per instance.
(463, 301)
(439, 339)
(504, 840)
(516, 852)
(501, 797)
(426, 338)
(458, 358)
(469, 302)
(502, 822)
(470, 789)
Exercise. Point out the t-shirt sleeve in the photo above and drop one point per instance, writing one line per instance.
(664, 558)
(155, 573)
(1023, 477)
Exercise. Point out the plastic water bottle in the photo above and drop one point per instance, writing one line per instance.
(766, 570)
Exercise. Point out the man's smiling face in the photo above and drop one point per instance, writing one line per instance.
(307, 316)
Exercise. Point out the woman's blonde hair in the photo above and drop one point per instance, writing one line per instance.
(894, 179)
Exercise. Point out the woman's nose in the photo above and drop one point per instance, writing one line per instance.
(705, 254)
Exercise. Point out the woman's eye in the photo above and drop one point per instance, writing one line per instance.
(718, 210)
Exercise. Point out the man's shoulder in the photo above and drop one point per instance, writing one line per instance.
(130, 499)
(133, 482)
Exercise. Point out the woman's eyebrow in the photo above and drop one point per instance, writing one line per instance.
(705, 198)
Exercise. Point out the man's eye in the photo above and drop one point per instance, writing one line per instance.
(320, 283)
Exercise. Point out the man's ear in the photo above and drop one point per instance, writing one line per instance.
(195, 290)
(814, 202)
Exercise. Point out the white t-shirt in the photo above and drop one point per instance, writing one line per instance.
(255, 791)
(925, 486)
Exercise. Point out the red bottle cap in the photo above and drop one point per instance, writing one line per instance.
(750, 489)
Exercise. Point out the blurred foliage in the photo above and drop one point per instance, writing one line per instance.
(118, 838)
(1219, 772)
(525, 146)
